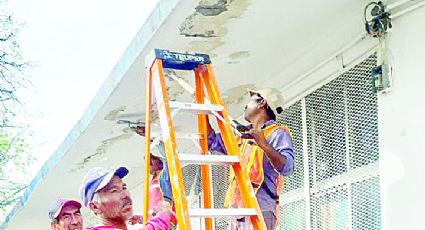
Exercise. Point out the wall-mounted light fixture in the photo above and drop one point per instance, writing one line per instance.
(377, 23)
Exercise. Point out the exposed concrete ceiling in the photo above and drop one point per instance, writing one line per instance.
(267, 43)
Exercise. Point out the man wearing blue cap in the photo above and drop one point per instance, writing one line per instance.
(65, 215)
(107, 196)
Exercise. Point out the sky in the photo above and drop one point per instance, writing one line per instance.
(74, 45)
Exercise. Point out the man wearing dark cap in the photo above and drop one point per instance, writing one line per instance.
(65, 215)
(267, 150)
(107, 196)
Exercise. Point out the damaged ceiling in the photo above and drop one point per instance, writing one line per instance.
(267, 43)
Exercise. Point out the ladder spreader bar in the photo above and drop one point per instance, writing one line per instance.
(208, 159)
(225, 212)
(195, 108)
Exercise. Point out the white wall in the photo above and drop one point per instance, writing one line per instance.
(402, 127)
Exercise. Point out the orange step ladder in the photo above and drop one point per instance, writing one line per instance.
(205, 80)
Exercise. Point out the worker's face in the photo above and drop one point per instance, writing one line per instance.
(155, 164)
(253, 106)
(113, 201)
(69, 219)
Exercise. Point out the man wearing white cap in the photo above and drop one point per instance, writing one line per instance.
(268, 155)
(65, 215)
(107, 196)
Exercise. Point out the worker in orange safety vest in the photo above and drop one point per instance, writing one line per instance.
(268, 155)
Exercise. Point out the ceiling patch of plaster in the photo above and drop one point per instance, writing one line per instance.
(101, 150)
(141, 116)
(135, 117)
(211, 7)
(208, 21)
(174, 89)
(112, 115)
(236, 94)
(239, 55)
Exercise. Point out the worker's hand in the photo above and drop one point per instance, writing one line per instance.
(258, 136)
(162, 206)
(136, 219)
(139, 130)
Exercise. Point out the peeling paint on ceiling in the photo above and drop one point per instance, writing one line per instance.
(239, 55)
(211, 7)
(101, 150)
(208, 21)
(174, 89)
(112, 115)
(236, 94)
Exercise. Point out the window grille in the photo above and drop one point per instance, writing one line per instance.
(341, 121)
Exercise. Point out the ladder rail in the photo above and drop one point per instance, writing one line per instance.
(229, 140)
(173, 162)
(148, 109)
(203, 142)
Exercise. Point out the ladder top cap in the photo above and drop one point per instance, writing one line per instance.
(173, 60)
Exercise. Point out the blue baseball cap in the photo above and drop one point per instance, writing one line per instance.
(56, 207)
(96, 179)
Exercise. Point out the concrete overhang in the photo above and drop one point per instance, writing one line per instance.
(267, 43)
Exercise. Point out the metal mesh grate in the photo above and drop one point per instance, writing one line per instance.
(292, 119)
(342, 151)
(366, 206)
(362, 113)
(219, 174)
(192, 183)
(330, 210)
(326, 131)
(292, 215)
(220, 182)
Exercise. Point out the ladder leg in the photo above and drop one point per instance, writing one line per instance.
(173, 162)
(203, 141)
(148, 109)
(229, 140)
(215, 98)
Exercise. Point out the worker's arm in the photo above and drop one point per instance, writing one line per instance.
(164, 178)
(210, 130)
(162, 218)
(278, 149)
(215, 142)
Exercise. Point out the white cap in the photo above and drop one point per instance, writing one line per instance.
(273, 98)
(158, 151)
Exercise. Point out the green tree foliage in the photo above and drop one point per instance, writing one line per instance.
(15, 155)
(15, 158)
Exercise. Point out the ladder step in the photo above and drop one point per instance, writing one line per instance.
(224, 212)
(208, 159)
(195, 108)
(188, 136)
